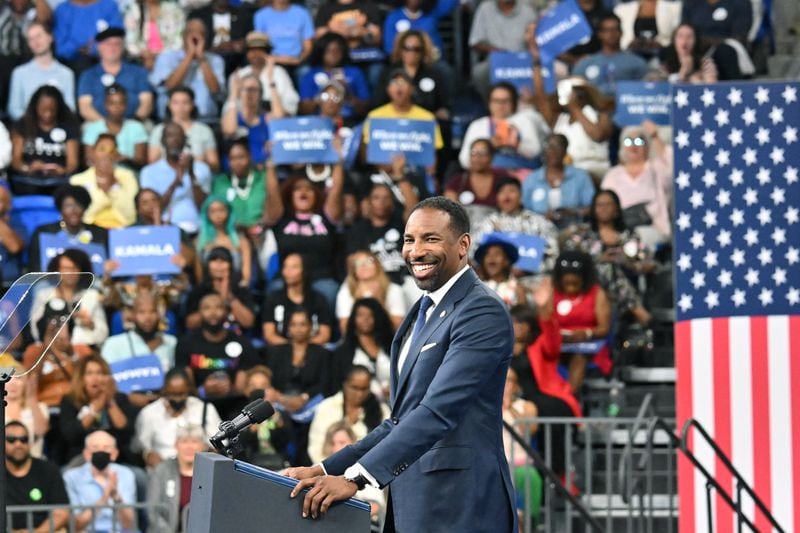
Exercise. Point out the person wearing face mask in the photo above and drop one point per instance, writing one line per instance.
(31, 481)
(169, 490)
(101, 481)
(158, 424)
(215, 356)
(144, 339)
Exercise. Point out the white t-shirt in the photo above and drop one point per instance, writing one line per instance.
(395, 303)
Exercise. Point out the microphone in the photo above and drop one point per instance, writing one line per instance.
(254, 412)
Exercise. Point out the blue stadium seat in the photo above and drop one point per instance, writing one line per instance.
(33, 211)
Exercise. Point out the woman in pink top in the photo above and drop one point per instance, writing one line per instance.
(643, 182)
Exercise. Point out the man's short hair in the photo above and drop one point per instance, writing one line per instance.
(459, 219)
(16, 423)
(93, 433)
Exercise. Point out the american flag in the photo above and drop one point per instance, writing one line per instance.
(737, 250)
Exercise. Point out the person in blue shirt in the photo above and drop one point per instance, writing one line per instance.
(76, 22)
(111, 70)
(611, 64)
(328, 62)
(412, 16)
(194, 67)
(101, 481)
(182, 182)
(290, 31)
(562, 193)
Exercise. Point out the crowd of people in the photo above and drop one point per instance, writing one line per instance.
(292, 281)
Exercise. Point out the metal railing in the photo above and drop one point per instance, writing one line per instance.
(30, 510)
(594, 453)
(712, 484)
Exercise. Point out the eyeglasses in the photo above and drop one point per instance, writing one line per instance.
(12, 439)
(564, 263)
(415, 49)
(329, 97)
(634, 141)
(479, 153)
(367, 261)
(251, 89)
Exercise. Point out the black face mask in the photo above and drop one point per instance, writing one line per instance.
(100, 460)
(213, 328)
(177, 405)
(146, 336)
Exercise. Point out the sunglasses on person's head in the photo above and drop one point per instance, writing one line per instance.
(11, 439)
(564, 263)
(326, 97)
(634, 141)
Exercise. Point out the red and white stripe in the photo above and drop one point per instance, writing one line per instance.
(740, 378)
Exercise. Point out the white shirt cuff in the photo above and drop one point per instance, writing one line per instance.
(356, 470)
(322, 466)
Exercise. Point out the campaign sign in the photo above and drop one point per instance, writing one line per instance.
(560, 28)
(306, 414)
(302, 140)
(52, 244)
(351, 143)
(643, 100)
(516, 68)
(391, 136)
(139, 373)
(531, 248)
(145, 250)
(585, 347)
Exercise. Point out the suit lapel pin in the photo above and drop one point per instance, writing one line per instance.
(441, 315)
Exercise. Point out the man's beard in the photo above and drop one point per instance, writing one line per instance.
(17, 462)
(212, 328)
(147, 336)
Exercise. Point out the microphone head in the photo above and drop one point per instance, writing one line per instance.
(256, 396)
(261, 412)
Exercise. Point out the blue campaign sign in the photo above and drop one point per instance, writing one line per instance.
(516, 68)
(139, 373)
(585, 347)
(351, 143)
(52, 244)
(392, 136)
(302, 140)
(560, 28)
(643, 100)
(145, 250)
(531, 248)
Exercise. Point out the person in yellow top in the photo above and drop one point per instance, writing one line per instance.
(400, 89)
(111, 187)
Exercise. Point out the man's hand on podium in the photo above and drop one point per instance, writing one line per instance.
(303, 472)
(324, 491)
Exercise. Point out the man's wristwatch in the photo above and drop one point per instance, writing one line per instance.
(360, 481)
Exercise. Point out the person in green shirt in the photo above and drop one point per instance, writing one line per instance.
(243, 188)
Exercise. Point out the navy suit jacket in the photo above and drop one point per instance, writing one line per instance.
(442, 448)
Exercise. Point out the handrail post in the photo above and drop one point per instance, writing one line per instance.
(709, 509)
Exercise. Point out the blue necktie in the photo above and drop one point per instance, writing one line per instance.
(424, 304)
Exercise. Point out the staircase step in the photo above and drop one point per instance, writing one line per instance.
(636, 374)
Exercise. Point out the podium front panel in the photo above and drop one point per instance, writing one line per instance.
(233, 496)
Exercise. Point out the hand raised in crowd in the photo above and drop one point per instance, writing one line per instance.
(543, 297)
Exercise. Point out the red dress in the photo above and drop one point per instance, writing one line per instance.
(576, 313)
(544, 355)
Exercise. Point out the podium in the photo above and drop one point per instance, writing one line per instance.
(230, 495)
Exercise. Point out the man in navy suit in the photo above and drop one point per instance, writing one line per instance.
(441, 452)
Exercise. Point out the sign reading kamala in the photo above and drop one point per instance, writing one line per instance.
(391, 136)
(643, 100)
(139, 373)
(531, 248)
(302, 140)
(52, 244)
(145, 250)
(516, 69)
(560, 28)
